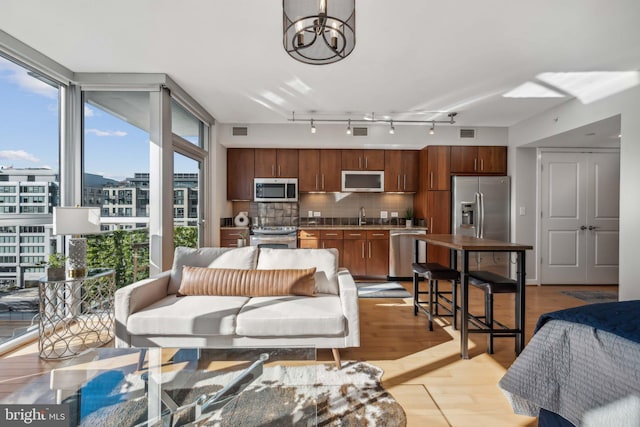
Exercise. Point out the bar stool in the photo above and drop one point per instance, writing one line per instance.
(433, 272)
(491, 283)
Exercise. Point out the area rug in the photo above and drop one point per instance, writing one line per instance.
(282, 396)
(381, 290)
(593, 296)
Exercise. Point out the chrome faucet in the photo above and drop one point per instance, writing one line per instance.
(362, 217)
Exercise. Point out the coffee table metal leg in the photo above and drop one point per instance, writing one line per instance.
(520, 301)
(464, 303)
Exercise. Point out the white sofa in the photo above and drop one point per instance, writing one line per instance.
(149, 314)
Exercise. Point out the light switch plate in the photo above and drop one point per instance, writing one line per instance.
(316, 214)
(384, 214)
(394, 214)
(310, 214)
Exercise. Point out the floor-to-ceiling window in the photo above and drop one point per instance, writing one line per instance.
(116, 179)
(29, 189)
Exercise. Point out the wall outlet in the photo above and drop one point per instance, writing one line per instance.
(383, 214)
(523, 211)
(309, 214)
(394, 214)
(316, 214)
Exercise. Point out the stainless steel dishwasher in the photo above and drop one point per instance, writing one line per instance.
(401, 247)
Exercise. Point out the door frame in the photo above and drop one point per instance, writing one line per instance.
(539, 152)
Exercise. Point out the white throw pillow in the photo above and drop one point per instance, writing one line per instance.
(324, 260)
(202, 257)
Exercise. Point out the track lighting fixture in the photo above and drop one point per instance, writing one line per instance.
(373, 120)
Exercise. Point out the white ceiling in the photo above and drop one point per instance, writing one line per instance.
(411, 56)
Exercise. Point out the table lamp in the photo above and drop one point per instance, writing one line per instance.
(76, 221)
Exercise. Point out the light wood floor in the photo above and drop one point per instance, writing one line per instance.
(422, 369)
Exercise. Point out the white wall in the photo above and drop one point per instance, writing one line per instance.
(571, 115)
(298, 135)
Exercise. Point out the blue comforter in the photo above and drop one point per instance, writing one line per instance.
(619, 318)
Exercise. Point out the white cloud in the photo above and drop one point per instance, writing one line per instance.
(88, 112)
(98, 132)
(18, 155)
(20, 77)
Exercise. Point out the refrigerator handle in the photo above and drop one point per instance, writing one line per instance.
(481, 215)
(478, 220)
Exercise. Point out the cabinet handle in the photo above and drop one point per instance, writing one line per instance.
(431, 186)
(362, 250)
(369, 249)
(405, 181)
(322, 245)
(359, 162)
(398, 182)
(431, 227)
(273, 170)
(377, 234)
(332, 234)
(279, 170)
(366, 162)
(355, 234)
(482, 164)
(316, 181)
(475, 164)
(323, 181)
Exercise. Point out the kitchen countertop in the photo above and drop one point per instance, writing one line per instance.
(359, 227)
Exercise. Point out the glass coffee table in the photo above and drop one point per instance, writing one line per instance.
(179, 387)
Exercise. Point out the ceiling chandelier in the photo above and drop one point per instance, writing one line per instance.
(319, 31)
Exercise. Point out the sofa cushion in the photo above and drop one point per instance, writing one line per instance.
(195, 315)
(291, 316)
(250, 283)
(244, 258)
(325, 261)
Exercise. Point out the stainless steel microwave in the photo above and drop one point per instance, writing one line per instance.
(275, 189)
(362, 181)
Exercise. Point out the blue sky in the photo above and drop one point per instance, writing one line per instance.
(29, 131)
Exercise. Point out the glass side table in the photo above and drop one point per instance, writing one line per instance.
(76, 313)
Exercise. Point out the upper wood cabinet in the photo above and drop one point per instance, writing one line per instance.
(319, 170)
(437, 176)
(353, 160)
(479, 160)
(240, 164)
(276, 163)
(401, 170)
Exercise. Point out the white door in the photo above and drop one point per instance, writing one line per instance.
(579, 195)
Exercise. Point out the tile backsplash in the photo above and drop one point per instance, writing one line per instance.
(273, 213)
(347, 205)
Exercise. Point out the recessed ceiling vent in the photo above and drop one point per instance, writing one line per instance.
(467, 134)
(240, 131)
(360, 131)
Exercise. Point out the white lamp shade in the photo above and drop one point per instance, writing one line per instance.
(76, 220)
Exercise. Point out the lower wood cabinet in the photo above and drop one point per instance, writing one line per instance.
(366, 252)
(229, 237)
(322, 239)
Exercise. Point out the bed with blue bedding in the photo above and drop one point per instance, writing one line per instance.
(581, 368)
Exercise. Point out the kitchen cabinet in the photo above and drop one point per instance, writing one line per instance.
(438, 159)
(240, 173)
(401, 170)
(229, 236)
(479, 160)
(322, 239)
(354, 160)
(276, 163)
(366, 252)
(319, 170)
(438, 222)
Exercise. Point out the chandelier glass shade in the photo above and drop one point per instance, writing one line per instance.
(319, 31)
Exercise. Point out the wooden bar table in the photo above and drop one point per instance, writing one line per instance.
(465, 245)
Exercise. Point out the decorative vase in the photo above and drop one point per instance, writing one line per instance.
(55, 274)
(409, 223)
(240, 243)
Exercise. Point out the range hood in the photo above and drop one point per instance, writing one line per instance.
(362, 181)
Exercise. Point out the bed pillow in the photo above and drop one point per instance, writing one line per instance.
(249, 283)
(244, 258)
(324, 260)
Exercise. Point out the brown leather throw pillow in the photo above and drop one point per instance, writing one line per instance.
(250, 283)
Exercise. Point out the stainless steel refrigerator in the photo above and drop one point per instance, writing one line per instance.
(480, 208)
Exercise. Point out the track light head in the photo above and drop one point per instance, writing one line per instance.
(313, 127)
(392, 129)
(433, 128)
(349, 127)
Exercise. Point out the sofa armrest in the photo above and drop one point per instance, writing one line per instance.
(134, 297)
(349, 301)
